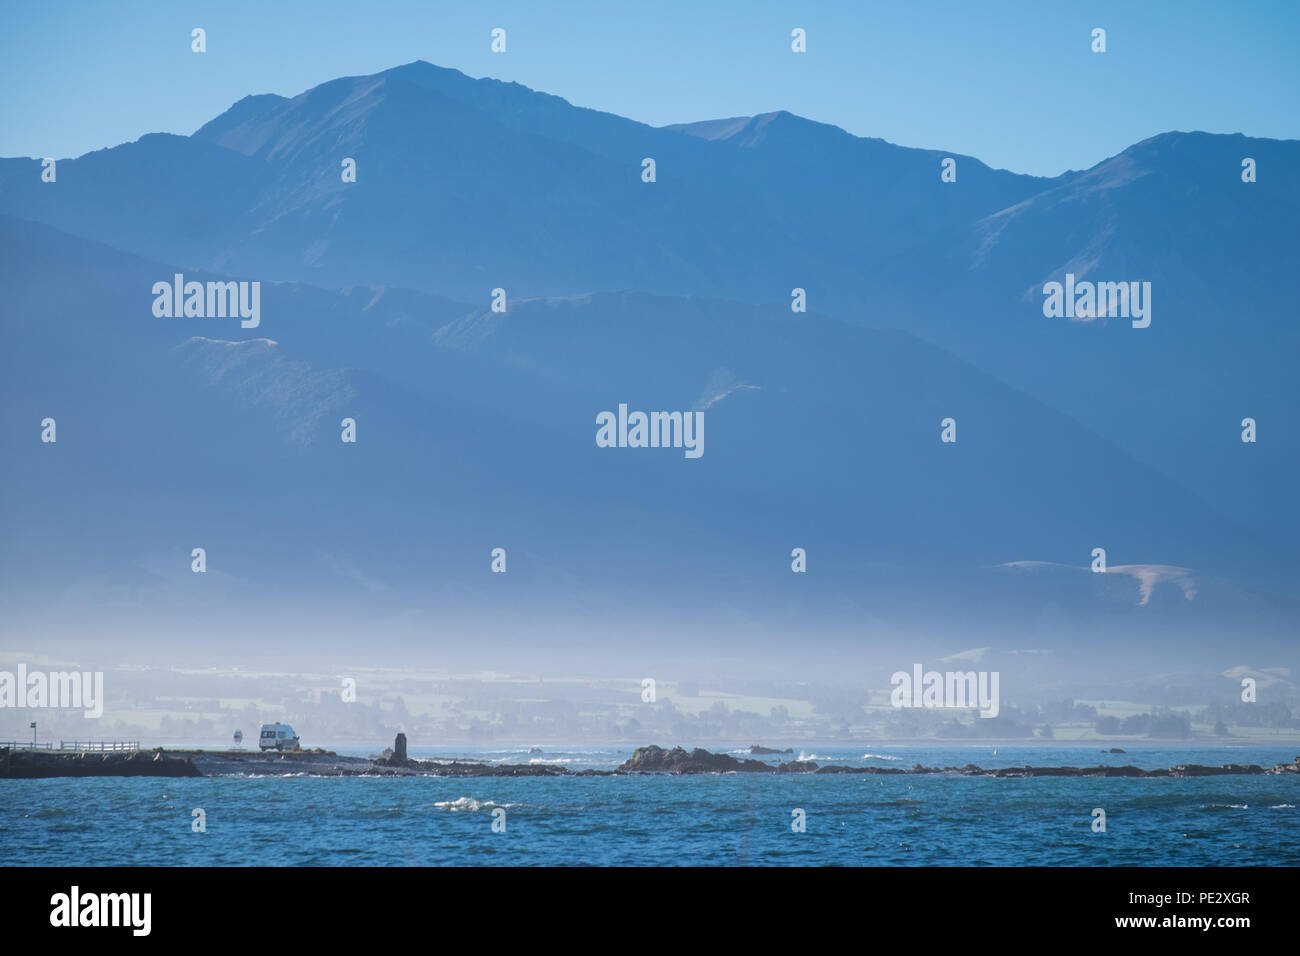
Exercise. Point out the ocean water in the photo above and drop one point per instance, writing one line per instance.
(730, 819)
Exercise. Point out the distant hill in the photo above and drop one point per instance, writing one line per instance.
(476, 430)
(925, 301)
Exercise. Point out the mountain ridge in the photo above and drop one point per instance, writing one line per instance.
(924, 301)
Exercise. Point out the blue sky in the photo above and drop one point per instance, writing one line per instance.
(1013, 83)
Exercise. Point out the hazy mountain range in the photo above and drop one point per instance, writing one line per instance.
(476, 428)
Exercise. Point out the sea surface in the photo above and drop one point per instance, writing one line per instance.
(722, 820)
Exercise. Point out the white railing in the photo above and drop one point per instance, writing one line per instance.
(99, 746)
(23, 745)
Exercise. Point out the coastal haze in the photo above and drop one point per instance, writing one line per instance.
(372, 562)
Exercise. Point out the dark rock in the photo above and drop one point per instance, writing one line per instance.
(759, 750)
(21, 763)
(1197, 770)
(654, 759)
(34, 764)
(397, 756)
(797, 766)
(834, 768)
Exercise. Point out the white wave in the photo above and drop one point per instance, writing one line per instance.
(469, 803)
(268, 776)
(879, 757)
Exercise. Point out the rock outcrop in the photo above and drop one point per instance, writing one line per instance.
(654, 759)
(396, 757)
(20, 763)
(16, 763)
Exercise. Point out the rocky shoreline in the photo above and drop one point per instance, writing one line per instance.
(680, 761)
(27, 764)
(33, 764)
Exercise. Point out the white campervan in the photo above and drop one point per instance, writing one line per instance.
(278, 737)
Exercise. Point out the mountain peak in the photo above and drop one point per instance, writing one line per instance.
(249, 108)
(753, 130)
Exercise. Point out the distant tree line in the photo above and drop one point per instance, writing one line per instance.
(1162, 723)
(1273, 714)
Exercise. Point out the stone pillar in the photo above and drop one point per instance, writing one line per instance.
(399, 749)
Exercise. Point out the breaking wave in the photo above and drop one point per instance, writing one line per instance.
(469, 803)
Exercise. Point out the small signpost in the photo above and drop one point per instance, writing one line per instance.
(239, 738)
